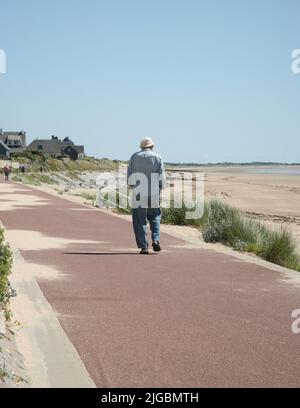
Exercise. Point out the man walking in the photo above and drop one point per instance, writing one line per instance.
(146, 178)
(7, 170)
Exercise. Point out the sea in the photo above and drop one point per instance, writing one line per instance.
(283, 170)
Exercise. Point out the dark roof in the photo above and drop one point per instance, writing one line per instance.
(53, 146)
(67, 140)
(4, 136)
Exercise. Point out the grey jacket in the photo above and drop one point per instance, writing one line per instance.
(146, 165)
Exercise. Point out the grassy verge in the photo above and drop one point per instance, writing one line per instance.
(88, 196)
(176, 216)
(5, 269)
(60, 168)
(34, 162)
(34, 179)
(224, 224)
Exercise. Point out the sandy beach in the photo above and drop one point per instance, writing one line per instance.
(268, 193)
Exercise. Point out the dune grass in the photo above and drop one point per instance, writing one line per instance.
(222, 223)
(225, 224)
(34, 179)
(35, 160)
(88, 196)
(177, 216)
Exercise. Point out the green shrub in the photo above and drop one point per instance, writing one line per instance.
(279, 247)
(5, 269)
(225, 224)
(177, 216)
(44, 179)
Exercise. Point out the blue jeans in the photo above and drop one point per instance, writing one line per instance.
(139, 218)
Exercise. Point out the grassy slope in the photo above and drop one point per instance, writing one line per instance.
(69, 168)
(225, 224)
(34, 161)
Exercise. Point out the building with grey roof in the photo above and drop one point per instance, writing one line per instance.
(55, 147)
(14, 141)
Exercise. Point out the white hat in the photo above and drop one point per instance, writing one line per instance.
(146, 142)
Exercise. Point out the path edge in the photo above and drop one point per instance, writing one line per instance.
(50, 358)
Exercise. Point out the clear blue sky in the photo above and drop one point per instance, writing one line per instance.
(208, 80)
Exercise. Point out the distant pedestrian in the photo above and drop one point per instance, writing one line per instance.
(23, 169)
(7, 171)
(146, 178)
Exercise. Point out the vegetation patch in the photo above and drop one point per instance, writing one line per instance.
(34, 161)
(177, 216)
(3, 373)
(88, 196)
(225, 224)
(6, 292)
(34, 179)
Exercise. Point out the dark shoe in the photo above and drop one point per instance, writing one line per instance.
(156, 247)
(144, 251)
